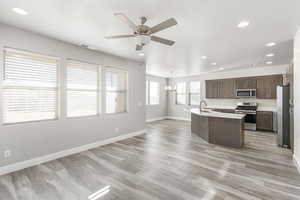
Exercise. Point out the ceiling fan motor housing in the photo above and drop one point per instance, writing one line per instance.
(143, 39)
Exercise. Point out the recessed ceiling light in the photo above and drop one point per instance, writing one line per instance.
(243, 24)
(221, 68)
(271, 44)
(20, 11)
(204, 57)
(270, 55)
(269, 62)
(214, 63)
(141, 54)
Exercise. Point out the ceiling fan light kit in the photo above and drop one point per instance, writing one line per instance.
(143, 33)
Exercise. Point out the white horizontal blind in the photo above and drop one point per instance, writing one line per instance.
(82, 89)
(154, 93)
(116, 91)
(147, 92)
(194, 93)
(29, 87)
(181, 93)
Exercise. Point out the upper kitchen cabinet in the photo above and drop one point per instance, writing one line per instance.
(212, 90)
(227, 88)
(246, 83)
(266, 86)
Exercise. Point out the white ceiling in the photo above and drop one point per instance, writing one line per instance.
(205, 27)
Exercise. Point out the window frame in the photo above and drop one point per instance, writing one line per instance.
(56, 88)
(177, 93)
(98, 90)
(194, 93)
(148, 93)
(126, 92)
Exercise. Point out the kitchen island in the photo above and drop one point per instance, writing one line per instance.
(219, 128)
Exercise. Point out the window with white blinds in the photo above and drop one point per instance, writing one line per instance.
(154, 93)
(116, 91)
(181, 93)
(147, 92)
(82, 89)
(29, 87)
(194, 95)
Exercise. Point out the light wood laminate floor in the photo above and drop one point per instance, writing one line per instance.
(167, 163)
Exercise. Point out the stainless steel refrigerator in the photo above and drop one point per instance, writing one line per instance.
(283, 123)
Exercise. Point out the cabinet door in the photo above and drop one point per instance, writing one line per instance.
(227, 88)
(211, 88)
(264, 120)
(266, 86)
(246, 83)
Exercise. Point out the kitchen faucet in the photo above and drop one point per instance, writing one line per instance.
(201, 102)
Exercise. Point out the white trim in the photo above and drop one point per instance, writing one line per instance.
(155, 119)
(296, 162)
(178, 118)
(39, 160)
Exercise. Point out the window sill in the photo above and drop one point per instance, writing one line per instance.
(153, 104)
(117, 113)
(27, 122)
(82, 117)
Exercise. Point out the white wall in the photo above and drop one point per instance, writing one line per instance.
(158, 111)
(30, 140)
(182, 111)
(297, 98)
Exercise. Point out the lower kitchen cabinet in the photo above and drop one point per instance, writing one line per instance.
(264, 120)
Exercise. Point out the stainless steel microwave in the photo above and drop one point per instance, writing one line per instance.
(246, 93)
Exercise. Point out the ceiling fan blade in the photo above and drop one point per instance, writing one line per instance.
(162, 40)
(139, 47)
(125, 19)
(164, 25)
(119, 36)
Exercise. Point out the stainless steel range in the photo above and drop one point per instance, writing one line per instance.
(248, 108)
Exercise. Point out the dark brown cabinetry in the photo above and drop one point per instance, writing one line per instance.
(223, 88)
(266, 86)
(264, 120)
(212, 90)
(246, 83)
(226, 88)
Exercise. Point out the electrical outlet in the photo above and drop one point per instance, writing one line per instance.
(117, 130)
(7, 153)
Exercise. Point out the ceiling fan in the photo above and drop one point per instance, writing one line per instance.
(143, 33)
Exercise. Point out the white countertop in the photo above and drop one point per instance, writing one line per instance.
(217, 114)
(259, 108)
(271, 109)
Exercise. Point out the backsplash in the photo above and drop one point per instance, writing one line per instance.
(266, 103)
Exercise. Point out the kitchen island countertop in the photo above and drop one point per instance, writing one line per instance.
(217, 114)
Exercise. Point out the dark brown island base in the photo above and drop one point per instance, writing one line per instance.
(219, 128)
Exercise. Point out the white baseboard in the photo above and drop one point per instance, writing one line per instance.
(155, 119)
(178, 118)
(39, 160)
(297, 163)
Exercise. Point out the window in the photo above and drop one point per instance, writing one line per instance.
(82, 89)
(147, 92)
(29, 87)
(180, 93)
(152, 92)
(116, 91)
(194, 95)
